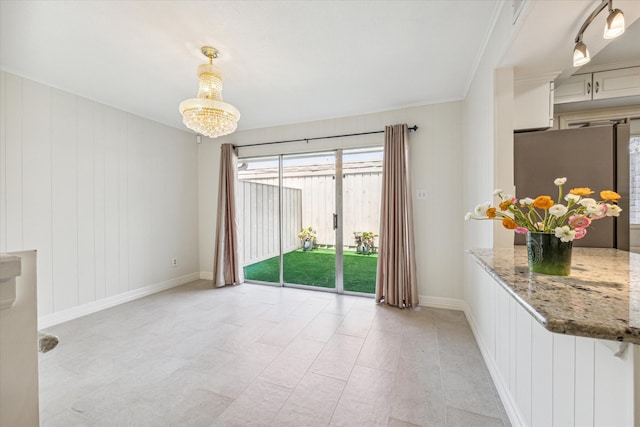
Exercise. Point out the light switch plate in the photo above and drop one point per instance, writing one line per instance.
(421, 194)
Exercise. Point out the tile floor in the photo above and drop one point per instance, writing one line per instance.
(265, 356)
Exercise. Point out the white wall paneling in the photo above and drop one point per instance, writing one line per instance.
(85, 200)
(37, 218)
(64, 200)
(564, 359)
(542, 376)
(584, 380)
(13, 161)
(106, 198)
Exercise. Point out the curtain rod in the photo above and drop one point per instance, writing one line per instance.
(413, 128)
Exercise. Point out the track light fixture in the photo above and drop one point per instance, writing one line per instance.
(614, 27)
(580, 54)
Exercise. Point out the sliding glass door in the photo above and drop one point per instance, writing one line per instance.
(311, 220)
(308, 189)
(259, 223)
(362, 191)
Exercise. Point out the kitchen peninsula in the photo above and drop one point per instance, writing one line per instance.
(561, 350)
(599, 299)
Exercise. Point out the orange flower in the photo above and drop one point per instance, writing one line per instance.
(610, 195)
(581, 191)
(543, 202)
(508, 223)
(491, 212)
(505, 205)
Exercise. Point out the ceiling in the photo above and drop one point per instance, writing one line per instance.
(544, 44)
(284, 61)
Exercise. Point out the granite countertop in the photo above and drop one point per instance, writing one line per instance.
(599, 299)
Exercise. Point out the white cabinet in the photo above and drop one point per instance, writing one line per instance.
(533, 103)
(574, 89)
(601, 85)
(616, 83)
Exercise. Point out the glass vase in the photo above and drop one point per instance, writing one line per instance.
(548, 254)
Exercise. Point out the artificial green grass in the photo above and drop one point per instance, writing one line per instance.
(318, 268)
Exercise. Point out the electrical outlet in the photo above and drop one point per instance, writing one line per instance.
(421, 194)
(174, 262)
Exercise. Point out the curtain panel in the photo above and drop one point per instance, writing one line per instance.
(226, 263)
(396, 283)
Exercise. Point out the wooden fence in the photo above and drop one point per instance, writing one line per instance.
(258, 219)
(309, 201)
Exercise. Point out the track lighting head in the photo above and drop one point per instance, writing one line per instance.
(580, 54)
(615, 24)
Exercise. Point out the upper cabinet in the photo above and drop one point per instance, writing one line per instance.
(574, 89)
(533, 103)
(600, 85)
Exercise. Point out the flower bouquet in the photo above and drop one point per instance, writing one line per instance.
(544, 216)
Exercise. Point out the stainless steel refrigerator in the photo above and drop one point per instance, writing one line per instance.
(595, 156)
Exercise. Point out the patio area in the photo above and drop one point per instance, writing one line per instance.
(318, 268)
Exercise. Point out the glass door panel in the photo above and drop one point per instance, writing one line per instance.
(361, 194)
(258, 207)
(308, 207)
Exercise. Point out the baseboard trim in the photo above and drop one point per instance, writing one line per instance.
(439, 302)
(104, 303)
(508, 401)
(206, 275)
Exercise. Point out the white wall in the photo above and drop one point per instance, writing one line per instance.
(105, 197)
(436, 154)
(484, 136)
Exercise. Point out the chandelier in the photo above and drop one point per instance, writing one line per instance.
(208, 114)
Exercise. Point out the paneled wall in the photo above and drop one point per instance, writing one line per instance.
(107, 198)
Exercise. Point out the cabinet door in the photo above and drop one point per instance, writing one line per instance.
(574, 89)
(533, 104)
(616, 83)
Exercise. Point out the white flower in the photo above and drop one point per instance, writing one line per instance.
(587, 202)
(569, 197)
(468, 216)
(507, 197)
(614, 210)
(558, 210)
(594, 209)
(565, 233)
(559, 181)
(526, 201)
(481, 209)
(497, 191)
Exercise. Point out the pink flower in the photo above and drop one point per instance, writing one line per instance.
(521, 230)
(580, 233)
(579, 221)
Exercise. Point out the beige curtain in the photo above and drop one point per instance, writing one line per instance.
(226, 264)
(396, 282)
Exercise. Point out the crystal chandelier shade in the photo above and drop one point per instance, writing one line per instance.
(208, 114)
